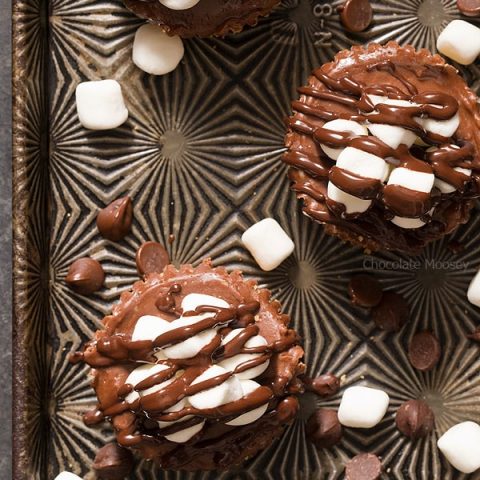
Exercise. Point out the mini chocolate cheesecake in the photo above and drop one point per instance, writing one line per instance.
(201, 18)
(196, 368)
(383, 146)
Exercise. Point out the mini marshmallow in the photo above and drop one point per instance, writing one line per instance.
(352, 204)
(249, 386)
(418, 181)
(363, 164)
(156, 52)
(460, 41)
(473, 293)
(340, 125)
(461, 446)
(185, 435)
(191, 346)
(405, 222)
(445, 128)
(392, 135)
(268, 243)
(445, 187)
(141, 373)
(362, 407)
(179, 4)
(193, 300)
(149, 327)
(232, 362)
(226, 392)
(100, 104)
(67, 476)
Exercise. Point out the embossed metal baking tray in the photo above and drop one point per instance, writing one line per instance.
(200, 155)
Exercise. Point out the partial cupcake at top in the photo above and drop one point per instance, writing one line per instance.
(196, 368)
(201, 18)
(383, 146)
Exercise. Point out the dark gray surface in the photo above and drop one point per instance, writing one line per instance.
(5, 241)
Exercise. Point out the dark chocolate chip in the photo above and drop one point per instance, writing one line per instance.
(85, 276)
(365, 466)
(391, 313)
(455, 247)
(151, 258)
(414, 419)
(324, 385)
(424, 351)
(469, 8)
(365, 290)
(93, 417)
(115, 220)
(475, 335)
(356, 15)
(113, 462)
(287, 409)
(323, 428)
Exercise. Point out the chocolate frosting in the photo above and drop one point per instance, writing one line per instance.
(341, 89)
(206, 18)
(113, 355)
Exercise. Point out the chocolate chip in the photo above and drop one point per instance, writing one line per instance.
(115, 220)
(424, 351)
(365, 466)
(151, 258)
(324, 385)
(414, 419)
(287, 409)
(93, 417)
(323, 428)
(475, 335)
(455, 247)
(365, 290)
(113, 462)
(391, 313)
(356, 15)
(469, 8)
(85, 276)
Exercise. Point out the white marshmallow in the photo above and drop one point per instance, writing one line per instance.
(445, 187)
(232, 362)
(418, 181)
(405, 222)
(473, 293)
(268, 243)
(191, 346)
(363, 164)
(175, 408)
(352, 204)
(226, 392)
(156, 52)
(340, 125)
(149, 327)
(249, 386)
(461, 446)
(445, 128)
(185, 435)
(179, 4)
(460, 41)
(392, 135)
(100, 104)
(193, 300)
(141, 373)
(67, 476)
(376, 99)
(362, 407)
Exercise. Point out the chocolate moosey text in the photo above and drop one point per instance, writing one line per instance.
(383, 144)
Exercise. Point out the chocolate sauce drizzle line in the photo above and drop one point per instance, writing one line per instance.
(354, 96)
(183, 372)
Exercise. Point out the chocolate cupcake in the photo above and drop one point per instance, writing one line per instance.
(196, 368)
(383, 146)
(201, 18)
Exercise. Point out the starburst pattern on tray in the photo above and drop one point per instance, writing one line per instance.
(200, 155)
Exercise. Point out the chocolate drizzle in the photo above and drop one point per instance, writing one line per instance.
(113, 354)
(343, 90)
